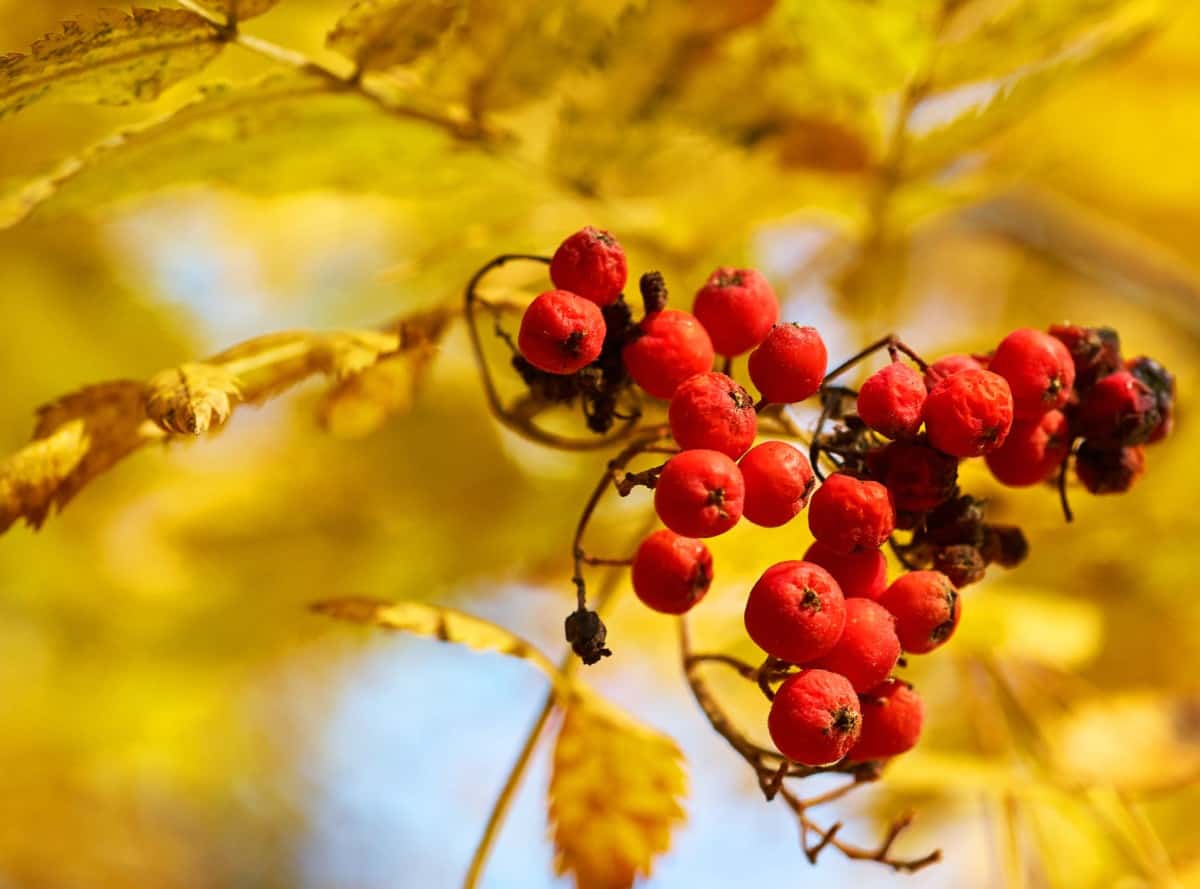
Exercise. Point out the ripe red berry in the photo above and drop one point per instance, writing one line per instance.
(891, 400)
(1039, 370)
(869, 648)
(1105, 470)
(795, 612)
(1095, 351)
(1119, 410)
(918, 476)
(699, 494)
(778, 480)
(561, 332)
(892, 715)
(710, 410)
(850, 515)
(592, 264)
(969, 413)
(948, 365)
(737, 307)
(670, 346)
(789, 365)
(926, 607)
(671, 573)
(1033, 450)
(814, 718)
(862, 574)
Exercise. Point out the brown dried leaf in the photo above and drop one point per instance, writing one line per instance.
(614, 795)
(192, 398)
(434, 622)
(76, 438)
(379, 34)
(113, 58)
(238, 10)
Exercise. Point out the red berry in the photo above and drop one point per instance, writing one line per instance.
(592, 264)
(1033, 450)
(710, 410)
(926, 607)
(1095, 351)
(671, 573)
(969, 413)
(561, 332)
(814, 718)
(891, 400)
(778, 480)
(850, 515)
(737, 307)
(1119, 410)
(862, 574)
(789, 365)
(1109, 470)
(1039, 370)
(670, 346)
(948, 365)
(869, 648)
(918, 476)
(1162, 383)
(699, 494)
(795, 612)
(892, 715)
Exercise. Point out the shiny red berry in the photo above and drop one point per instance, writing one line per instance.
(814, 718)
(789, 365)
(869, 648)
(862, 574)
(1033, 450)
(778, 480)
(669, 347)
(561, 332)
(1109, 470)
(737, 307)
(850, 515)
(795, 612)
(671, 573)
(948, 365)
(891, 401)
(1119, 410)
(710, 410)
(699, 493)
(1039, 370)
(926, 607)
(592, 264)
(892, 716)
(918, 476)
(969, 413)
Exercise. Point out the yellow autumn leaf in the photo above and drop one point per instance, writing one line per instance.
(615, 793)
(360, 404)
(75, 439)
(238, 10)
(434, 622)
(112, 58)
(380, 34)
(192, 398)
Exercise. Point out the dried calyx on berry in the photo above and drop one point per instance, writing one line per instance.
(586, 634)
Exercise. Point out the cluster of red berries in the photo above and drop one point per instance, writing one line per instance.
(832, 626)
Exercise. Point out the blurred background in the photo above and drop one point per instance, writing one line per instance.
(172, 714)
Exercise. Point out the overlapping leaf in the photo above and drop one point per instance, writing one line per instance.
(615, 795)
(238, 10)
(111, 58)
(380, 34)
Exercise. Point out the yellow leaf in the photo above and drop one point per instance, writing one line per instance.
(192, 398)
(112, 58)
(380, 34)
(75, 439)
(615, 795)
(360, 404)
(238, 10)
(431, 621)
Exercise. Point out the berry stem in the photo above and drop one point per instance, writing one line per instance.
(1063, 499)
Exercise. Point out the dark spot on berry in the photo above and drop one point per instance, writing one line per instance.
(734, 280)
(810, 599)
(741, 399)
(844, 721)
(573, 344)
(716, 497)
(700, 579)
(943, 630)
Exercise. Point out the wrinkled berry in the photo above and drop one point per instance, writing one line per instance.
(814, 718)
(669, 347)
(850, 515)
(699, 493)
(892, 716)
(561, 332)
(778, 480)
(1095, 351)
(710, 410)
(919, 477)
(795, 612)
(1039, 371)
(962, 563)
(1119, 410)
(590, 263)
(862, 574)
(671, 573)
(969, 413)
(926, 607)
(891, 401)
(869, 648)
(1032, 452)
(1162, 383)
(737, 307)
(789, 365)
(1109, 470)
(948, 365)
(1005, 545)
